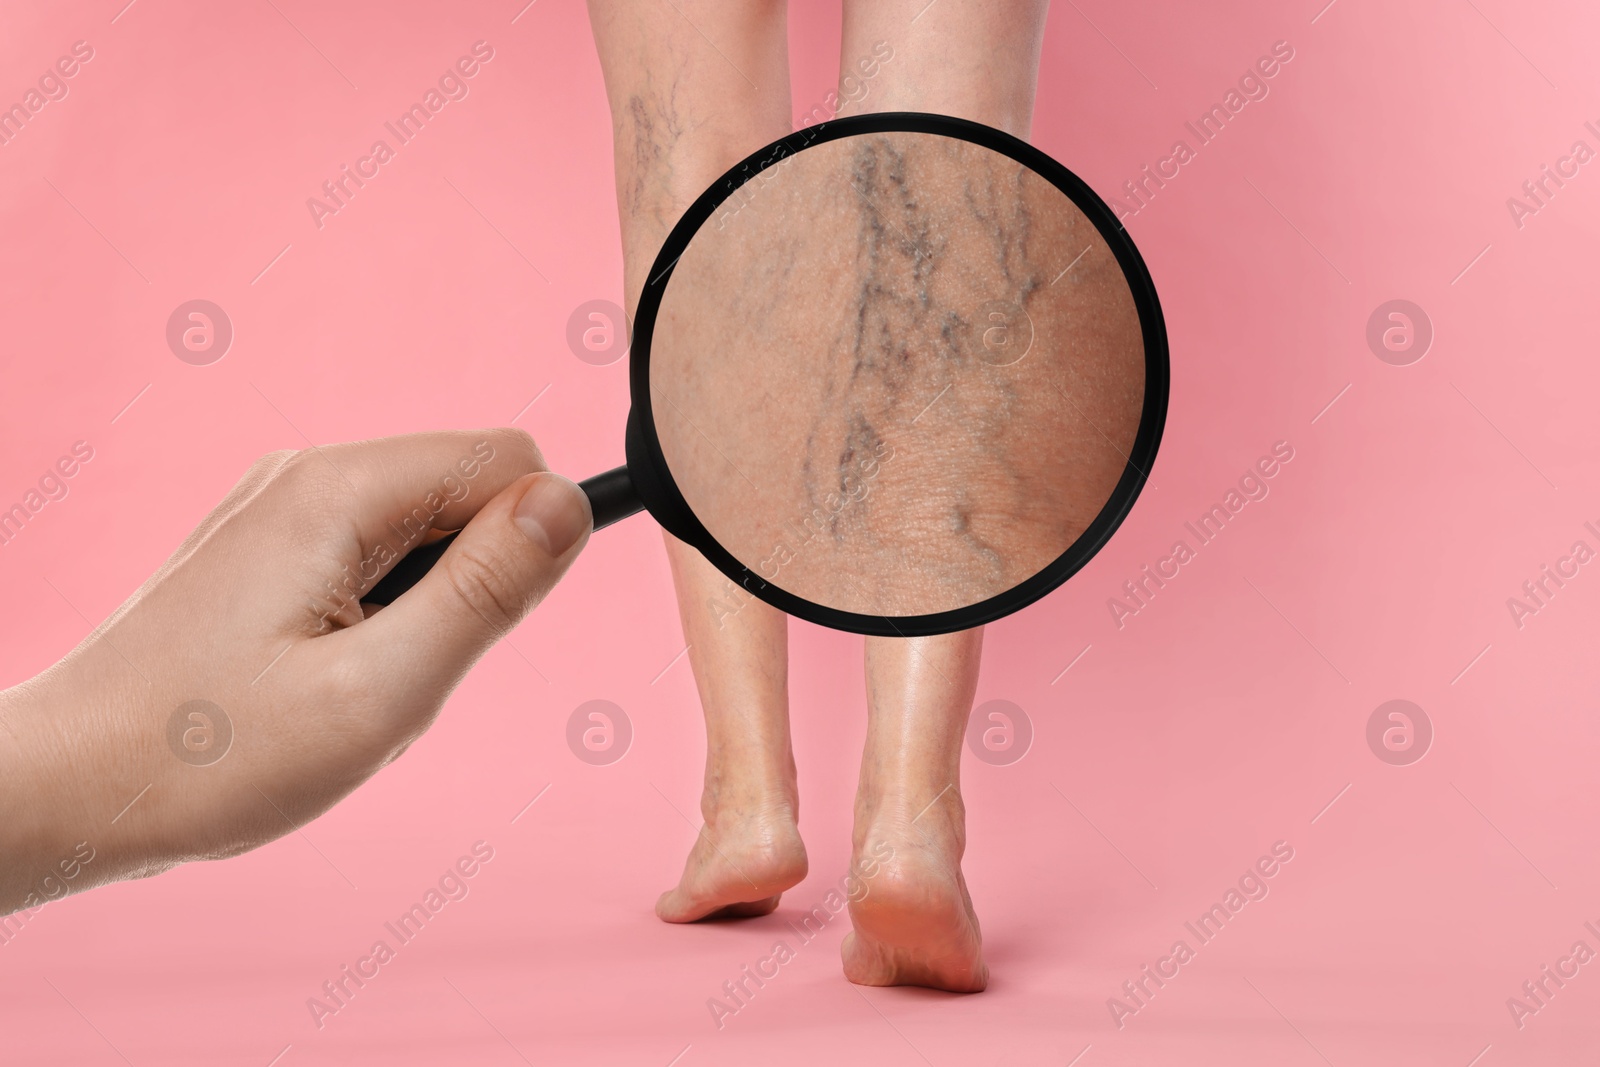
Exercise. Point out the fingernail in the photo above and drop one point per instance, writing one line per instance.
(553, 513)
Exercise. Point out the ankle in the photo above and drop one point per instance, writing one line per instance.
(906, 802)
(748, 803)
(750, 793)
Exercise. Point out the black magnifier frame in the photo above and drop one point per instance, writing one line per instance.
(646, 483)
(661, 494)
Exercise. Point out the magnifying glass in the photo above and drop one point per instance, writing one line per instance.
(898, 374)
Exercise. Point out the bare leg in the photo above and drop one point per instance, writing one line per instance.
(916, 925)
(976, 60)
(684, 110)
(750, 850)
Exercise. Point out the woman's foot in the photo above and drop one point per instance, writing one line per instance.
(914, 925)
(742, 862)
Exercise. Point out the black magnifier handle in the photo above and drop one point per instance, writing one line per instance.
(612, 497)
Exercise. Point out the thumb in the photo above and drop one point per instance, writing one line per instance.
(506, 560)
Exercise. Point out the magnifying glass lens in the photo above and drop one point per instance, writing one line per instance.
(899, 374)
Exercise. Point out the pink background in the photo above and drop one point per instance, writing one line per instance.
(1225, 716)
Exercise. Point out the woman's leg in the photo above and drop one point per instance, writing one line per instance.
(685, 107)
(978, 59)
(915, 924)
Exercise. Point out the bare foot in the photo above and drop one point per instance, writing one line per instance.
(738, 868)
(915, 924)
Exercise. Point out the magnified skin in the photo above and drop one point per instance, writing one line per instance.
(897, 374)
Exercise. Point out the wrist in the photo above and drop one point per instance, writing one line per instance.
(35, 806)
(64, 752)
